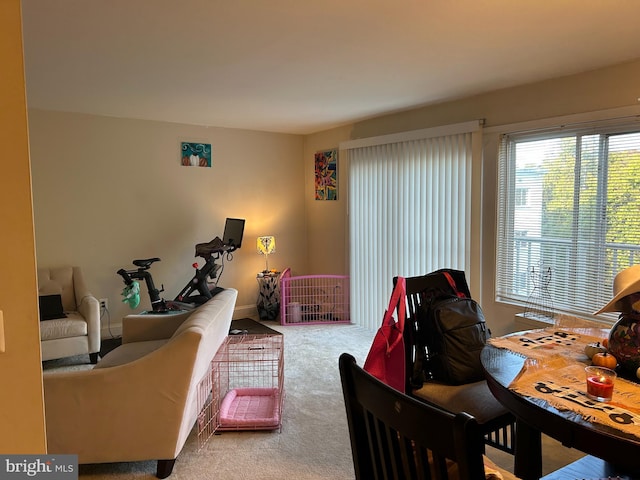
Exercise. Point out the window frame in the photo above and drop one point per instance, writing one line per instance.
(509, 188)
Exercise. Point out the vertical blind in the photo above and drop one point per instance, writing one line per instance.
(410, 206)
(569, 199)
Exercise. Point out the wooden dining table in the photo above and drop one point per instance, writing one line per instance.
(610, 451)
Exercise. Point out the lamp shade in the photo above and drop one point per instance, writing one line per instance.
(266, 245)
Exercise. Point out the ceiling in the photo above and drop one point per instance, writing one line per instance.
(302, 66)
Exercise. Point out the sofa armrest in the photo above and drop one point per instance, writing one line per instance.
(89, 307)
(140, 328)
(80, 288)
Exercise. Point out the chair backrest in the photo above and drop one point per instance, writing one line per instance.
(394, 436)
(60, 280)
(416, 289)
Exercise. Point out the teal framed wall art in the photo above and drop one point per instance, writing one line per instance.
(195, 154)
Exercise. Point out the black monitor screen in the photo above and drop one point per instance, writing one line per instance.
(233, 230)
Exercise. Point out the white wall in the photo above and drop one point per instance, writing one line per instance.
(327, 240)
(109, 190)
(606, 88)
(86, 168)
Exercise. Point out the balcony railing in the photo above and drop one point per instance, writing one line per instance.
(574, 285)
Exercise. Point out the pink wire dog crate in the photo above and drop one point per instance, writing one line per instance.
(314, 299)
(207, 402)
(248, 380)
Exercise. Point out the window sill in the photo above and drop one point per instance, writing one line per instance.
(529, 322)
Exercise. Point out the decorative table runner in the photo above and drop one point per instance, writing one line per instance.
(542, 343)
(554, 372)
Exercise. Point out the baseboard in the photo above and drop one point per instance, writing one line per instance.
(243, 311)
(113, 330)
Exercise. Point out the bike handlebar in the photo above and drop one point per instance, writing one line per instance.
(125, 276)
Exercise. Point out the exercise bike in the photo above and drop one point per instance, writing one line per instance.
(199, 289)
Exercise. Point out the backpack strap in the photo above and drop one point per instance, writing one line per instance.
(453, 285)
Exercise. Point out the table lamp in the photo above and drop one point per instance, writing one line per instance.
(266, 245)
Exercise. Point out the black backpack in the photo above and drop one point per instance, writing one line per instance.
(453, 332)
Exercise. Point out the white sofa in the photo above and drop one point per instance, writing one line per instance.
(140, 401)
(79, 332)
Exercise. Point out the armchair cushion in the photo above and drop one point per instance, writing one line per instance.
(60, 281)
(71, 326)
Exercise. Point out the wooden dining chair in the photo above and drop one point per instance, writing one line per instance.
(394, 436)
(496, 422)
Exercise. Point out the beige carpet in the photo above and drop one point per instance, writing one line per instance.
(314, 441)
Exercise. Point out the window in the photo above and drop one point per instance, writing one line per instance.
(569, 215)
(521, 197)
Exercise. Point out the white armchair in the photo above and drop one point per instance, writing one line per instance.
(79, 332)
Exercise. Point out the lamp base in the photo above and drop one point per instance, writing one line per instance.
(268, 273)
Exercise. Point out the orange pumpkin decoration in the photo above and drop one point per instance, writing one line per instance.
(605, 360)
(605, 342)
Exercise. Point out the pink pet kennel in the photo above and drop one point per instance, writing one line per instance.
(314, 299)
(248, 380)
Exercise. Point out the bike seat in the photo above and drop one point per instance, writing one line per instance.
(205, 250)
(145, 263)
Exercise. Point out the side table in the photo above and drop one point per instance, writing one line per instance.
(268, 295)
